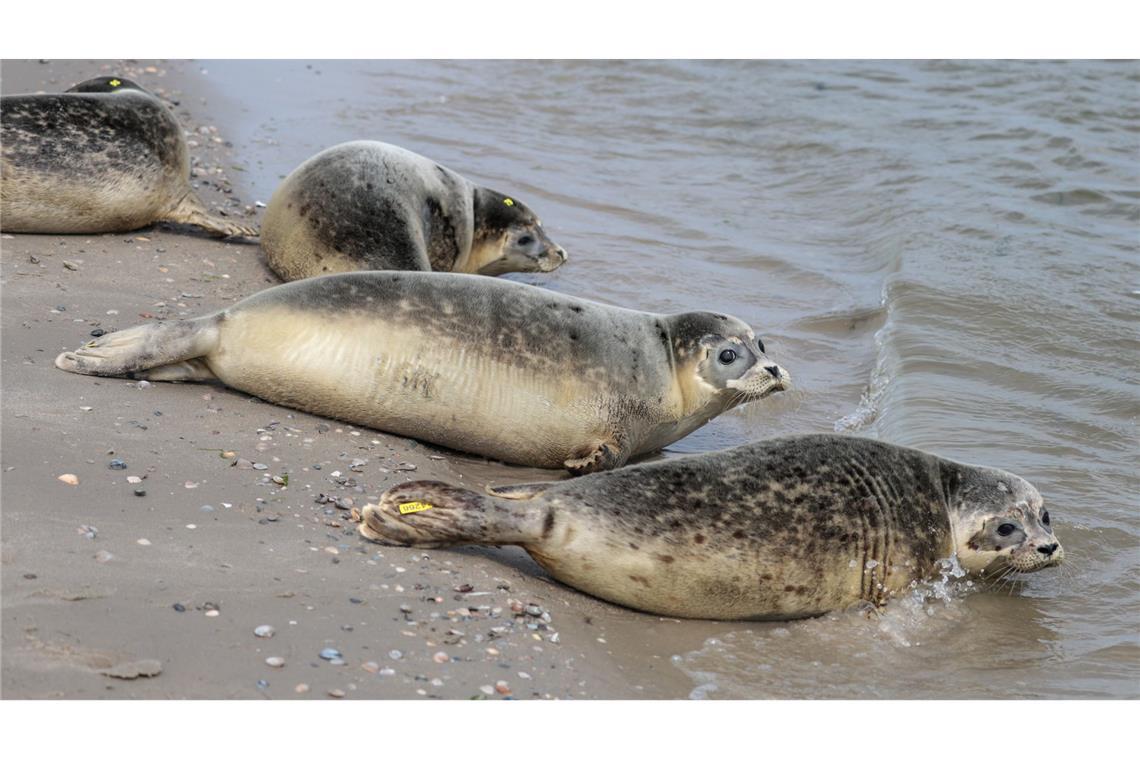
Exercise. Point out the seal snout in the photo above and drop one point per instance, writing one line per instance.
(1049, 549)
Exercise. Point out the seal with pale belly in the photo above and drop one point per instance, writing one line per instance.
(487, 366)
(105, 156)
(780, 529)
(370, 205)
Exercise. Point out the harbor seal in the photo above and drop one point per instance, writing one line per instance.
(370, 205)
(781, 529)
(488, 366)
(105, 156)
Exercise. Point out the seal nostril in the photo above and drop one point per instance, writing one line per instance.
(1048, 550)
(774, 371)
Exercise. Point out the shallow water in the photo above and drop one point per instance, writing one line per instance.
(943, 255)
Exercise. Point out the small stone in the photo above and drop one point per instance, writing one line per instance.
(441, 657)
(142, 384)
(387, 672)
(70, 266)
(132, 670)
(395, 654)
(466, 588)
(371, 667)
(205, 508)
(190, 484)
(328, 653)
(404, 467)
(143, 542)
(260, 466)
(212, 613)
(503, 688)
(487, 689)
(98, 332)
(68, 478)
(116, 464)
(178, 607)
(86, 408)
(134, 479)
(264, 631)
(534, 610)
(275, 662)
(140, 492)
(103, 556)
(262, 683)
(336, 693)
(301, 688)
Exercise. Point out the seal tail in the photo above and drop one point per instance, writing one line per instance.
(427, 513)
(191, 210)
(158, 351)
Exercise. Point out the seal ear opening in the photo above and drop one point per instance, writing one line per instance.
(519, 491)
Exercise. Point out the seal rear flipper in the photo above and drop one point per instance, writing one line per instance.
(430, 514)
(190, 210)
(148, 347)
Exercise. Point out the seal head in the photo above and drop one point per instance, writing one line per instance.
(509, 237)
(1000, 522)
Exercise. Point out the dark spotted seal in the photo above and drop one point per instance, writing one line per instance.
(370, 205)
(105, 156)
(489, 366)
(784, 528)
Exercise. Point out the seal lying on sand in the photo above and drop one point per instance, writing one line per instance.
(105, 156)
(370, 205)
(489, 366)
(784, 528)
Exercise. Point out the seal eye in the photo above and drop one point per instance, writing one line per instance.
(1005, 529)
(526, 240)
(727, 356)
(760, 344)
(1045, 517)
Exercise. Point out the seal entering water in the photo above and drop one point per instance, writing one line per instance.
(370, 205)
(785, 528)
(489, 366)
(105, 156)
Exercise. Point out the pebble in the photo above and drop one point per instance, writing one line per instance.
(260, 466)
(143, 542)
(134, 479)
(387, 672)
(212, 613)
(140, 492)
(103, 556)
(301, 688)
(503, 688)
(264, 631)
(116, 464)
(487, 689)
(328, 653)
(275, 662)
(336, 693)
(262, 683)
(68, 478)
(441, 657)
(371, 667)
(396, 654)
(178, 607)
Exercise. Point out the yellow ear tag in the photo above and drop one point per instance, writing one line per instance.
(414, 506)
(508, 202)
(114, 83)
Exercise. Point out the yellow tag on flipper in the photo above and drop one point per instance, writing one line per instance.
(508, 201)
(414, 506)
(114, 83)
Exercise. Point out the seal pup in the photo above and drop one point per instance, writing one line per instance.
(370, 205)
(780, 529)
(105, 156)
(488, 366)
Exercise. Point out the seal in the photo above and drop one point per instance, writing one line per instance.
(483, 365)
(781, 529)
(370, 205)
(105, 156)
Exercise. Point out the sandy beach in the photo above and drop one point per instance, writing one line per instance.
(231, 514)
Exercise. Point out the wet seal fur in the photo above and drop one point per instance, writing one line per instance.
(781, 529)
(489, 366)
(369, 205)
(105, 156)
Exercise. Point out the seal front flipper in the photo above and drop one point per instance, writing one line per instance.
(169, 350)
(431, 514)
(190, 210)
(606, 455)
(518, 491)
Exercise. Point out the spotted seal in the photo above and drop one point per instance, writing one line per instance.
(478, 364)
(371, 205)
(780, 529)
(105, 156)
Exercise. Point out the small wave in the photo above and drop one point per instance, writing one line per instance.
(869, 405)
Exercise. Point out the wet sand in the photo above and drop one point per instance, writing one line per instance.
(109, 593)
